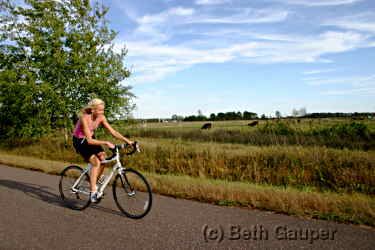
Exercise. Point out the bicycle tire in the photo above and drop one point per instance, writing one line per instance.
(74, 200)
(128, 186)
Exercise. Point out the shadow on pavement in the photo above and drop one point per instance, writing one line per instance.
(42, 193)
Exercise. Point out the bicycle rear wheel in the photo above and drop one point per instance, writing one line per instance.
(132, 194)
(79, 197)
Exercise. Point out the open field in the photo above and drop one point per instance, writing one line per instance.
(332, 133)
(338, 162)
(301, 123)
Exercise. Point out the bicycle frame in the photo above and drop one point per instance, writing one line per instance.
(117, 168)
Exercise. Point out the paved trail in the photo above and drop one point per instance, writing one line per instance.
(32, 217)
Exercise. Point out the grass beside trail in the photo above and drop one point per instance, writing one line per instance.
(317, 168)
(349, 208)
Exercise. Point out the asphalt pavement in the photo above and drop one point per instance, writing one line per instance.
(33, 217)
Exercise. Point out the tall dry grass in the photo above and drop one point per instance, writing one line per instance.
(314, 168)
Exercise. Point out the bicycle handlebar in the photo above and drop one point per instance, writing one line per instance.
(123, 146)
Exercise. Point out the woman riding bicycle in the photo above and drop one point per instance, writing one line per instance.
(90, 148)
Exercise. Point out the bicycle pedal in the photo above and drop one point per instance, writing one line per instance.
(97, 200)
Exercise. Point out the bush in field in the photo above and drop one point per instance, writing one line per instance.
(352, 130)
(278, 128)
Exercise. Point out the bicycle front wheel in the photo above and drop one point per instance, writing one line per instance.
(132, 194)
(75, 188)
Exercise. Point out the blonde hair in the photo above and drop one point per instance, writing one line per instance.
(90, 106)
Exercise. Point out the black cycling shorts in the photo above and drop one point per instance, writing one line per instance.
(84, 149)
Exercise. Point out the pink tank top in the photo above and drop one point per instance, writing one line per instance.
(78, 130)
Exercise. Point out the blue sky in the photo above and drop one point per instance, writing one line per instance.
(237, 55)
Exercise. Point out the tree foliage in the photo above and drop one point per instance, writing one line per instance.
(224, 116)
(54, 57)
(278, 114)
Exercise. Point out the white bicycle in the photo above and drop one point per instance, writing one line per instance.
(131, 191)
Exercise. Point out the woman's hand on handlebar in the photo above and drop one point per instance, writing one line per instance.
(110, 145)
(130, 142)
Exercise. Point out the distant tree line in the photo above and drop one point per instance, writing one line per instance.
(251, 116)
(223, 116)
(337, 114)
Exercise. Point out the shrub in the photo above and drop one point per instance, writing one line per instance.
(353, 130)
(278, 128)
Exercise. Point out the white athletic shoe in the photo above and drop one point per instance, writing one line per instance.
(94, 197)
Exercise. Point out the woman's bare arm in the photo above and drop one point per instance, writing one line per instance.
(86, 130)
(114, 132)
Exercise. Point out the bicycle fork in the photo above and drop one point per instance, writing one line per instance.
(126, 185)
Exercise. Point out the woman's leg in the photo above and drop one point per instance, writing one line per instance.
(95, 162)
(101, 157)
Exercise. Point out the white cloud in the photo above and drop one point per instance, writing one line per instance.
(154, 56)
(311, 48)
(320, 2)
(247, 16)
(241, 16)
(320, 81)
(357, 92)
(160, 27)
(364, 22)
(358, 81)
(310, 79)
(153, 62)
(370, 27)
(180, 15)
(319, 71)
(165, 16)
(211, 2)
(245, 34)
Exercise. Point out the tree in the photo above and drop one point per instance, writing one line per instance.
(200, 116)
(54, 57)
(278, 114)
(239, 116)
(299, 113)
(249, 115)
(177, 118)
(295, 113)
(220, 116)
(302, 112)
